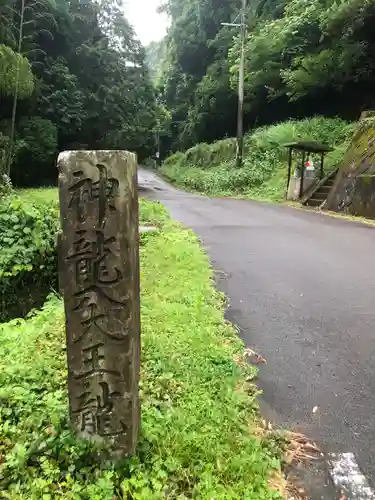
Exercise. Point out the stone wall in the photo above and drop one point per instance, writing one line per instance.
(354, 189)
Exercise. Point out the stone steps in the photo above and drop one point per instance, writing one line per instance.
(321, 194)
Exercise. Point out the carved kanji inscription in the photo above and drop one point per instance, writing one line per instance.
(99, 278)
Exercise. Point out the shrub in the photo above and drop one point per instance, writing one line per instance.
(5, 183)
(204, 155)
(175, 159)
(37, 138)
(14, 66)
(28, 260)
(29, 224)
(4, 144)
(6, 187)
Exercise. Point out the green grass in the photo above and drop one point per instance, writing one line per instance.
(150, 213)
(198, 413)
(39, 195)
(210, 168)
(272, 189)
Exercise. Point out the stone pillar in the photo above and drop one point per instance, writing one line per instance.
(99, 278)
(293, 193)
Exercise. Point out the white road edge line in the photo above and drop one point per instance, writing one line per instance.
(347, 477)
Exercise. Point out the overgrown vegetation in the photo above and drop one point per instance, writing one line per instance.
(28, 260)
(210, 168)
(198, 414)
(303, 57)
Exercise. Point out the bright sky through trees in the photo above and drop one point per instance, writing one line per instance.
(148, 24)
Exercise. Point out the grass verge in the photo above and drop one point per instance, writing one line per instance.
(198, 413)
(37, 196)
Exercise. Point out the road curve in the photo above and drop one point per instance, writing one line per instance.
(302, 292)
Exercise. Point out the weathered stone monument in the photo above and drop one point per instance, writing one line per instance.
(99, 278)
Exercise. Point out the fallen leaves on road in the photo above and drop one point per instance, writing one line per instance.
(253, 357)
(287, 489)
(300, 448)
(267, 425)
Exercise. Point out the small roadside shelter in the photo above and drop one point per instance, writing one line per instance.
(306, 148)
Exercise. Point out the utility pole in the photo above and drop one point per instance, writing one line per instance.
(241, 84)
(158, 131)
(158, 147)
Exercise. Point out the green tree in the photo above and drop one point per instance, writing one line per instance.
(90, 80)
(195, 72)
(155, 54)
(9, 62)
(25, 19)
(303, 57)
(36, 140)
(16, 79)
(311, 49)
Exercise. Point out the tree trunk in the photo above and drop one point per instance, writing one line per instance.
(15, 97)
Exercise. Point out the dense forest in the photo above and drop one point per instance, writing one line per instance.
(73, 75)
(303, 57)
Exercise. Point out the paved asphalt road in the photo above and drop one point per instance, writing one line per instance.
(302, 291)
